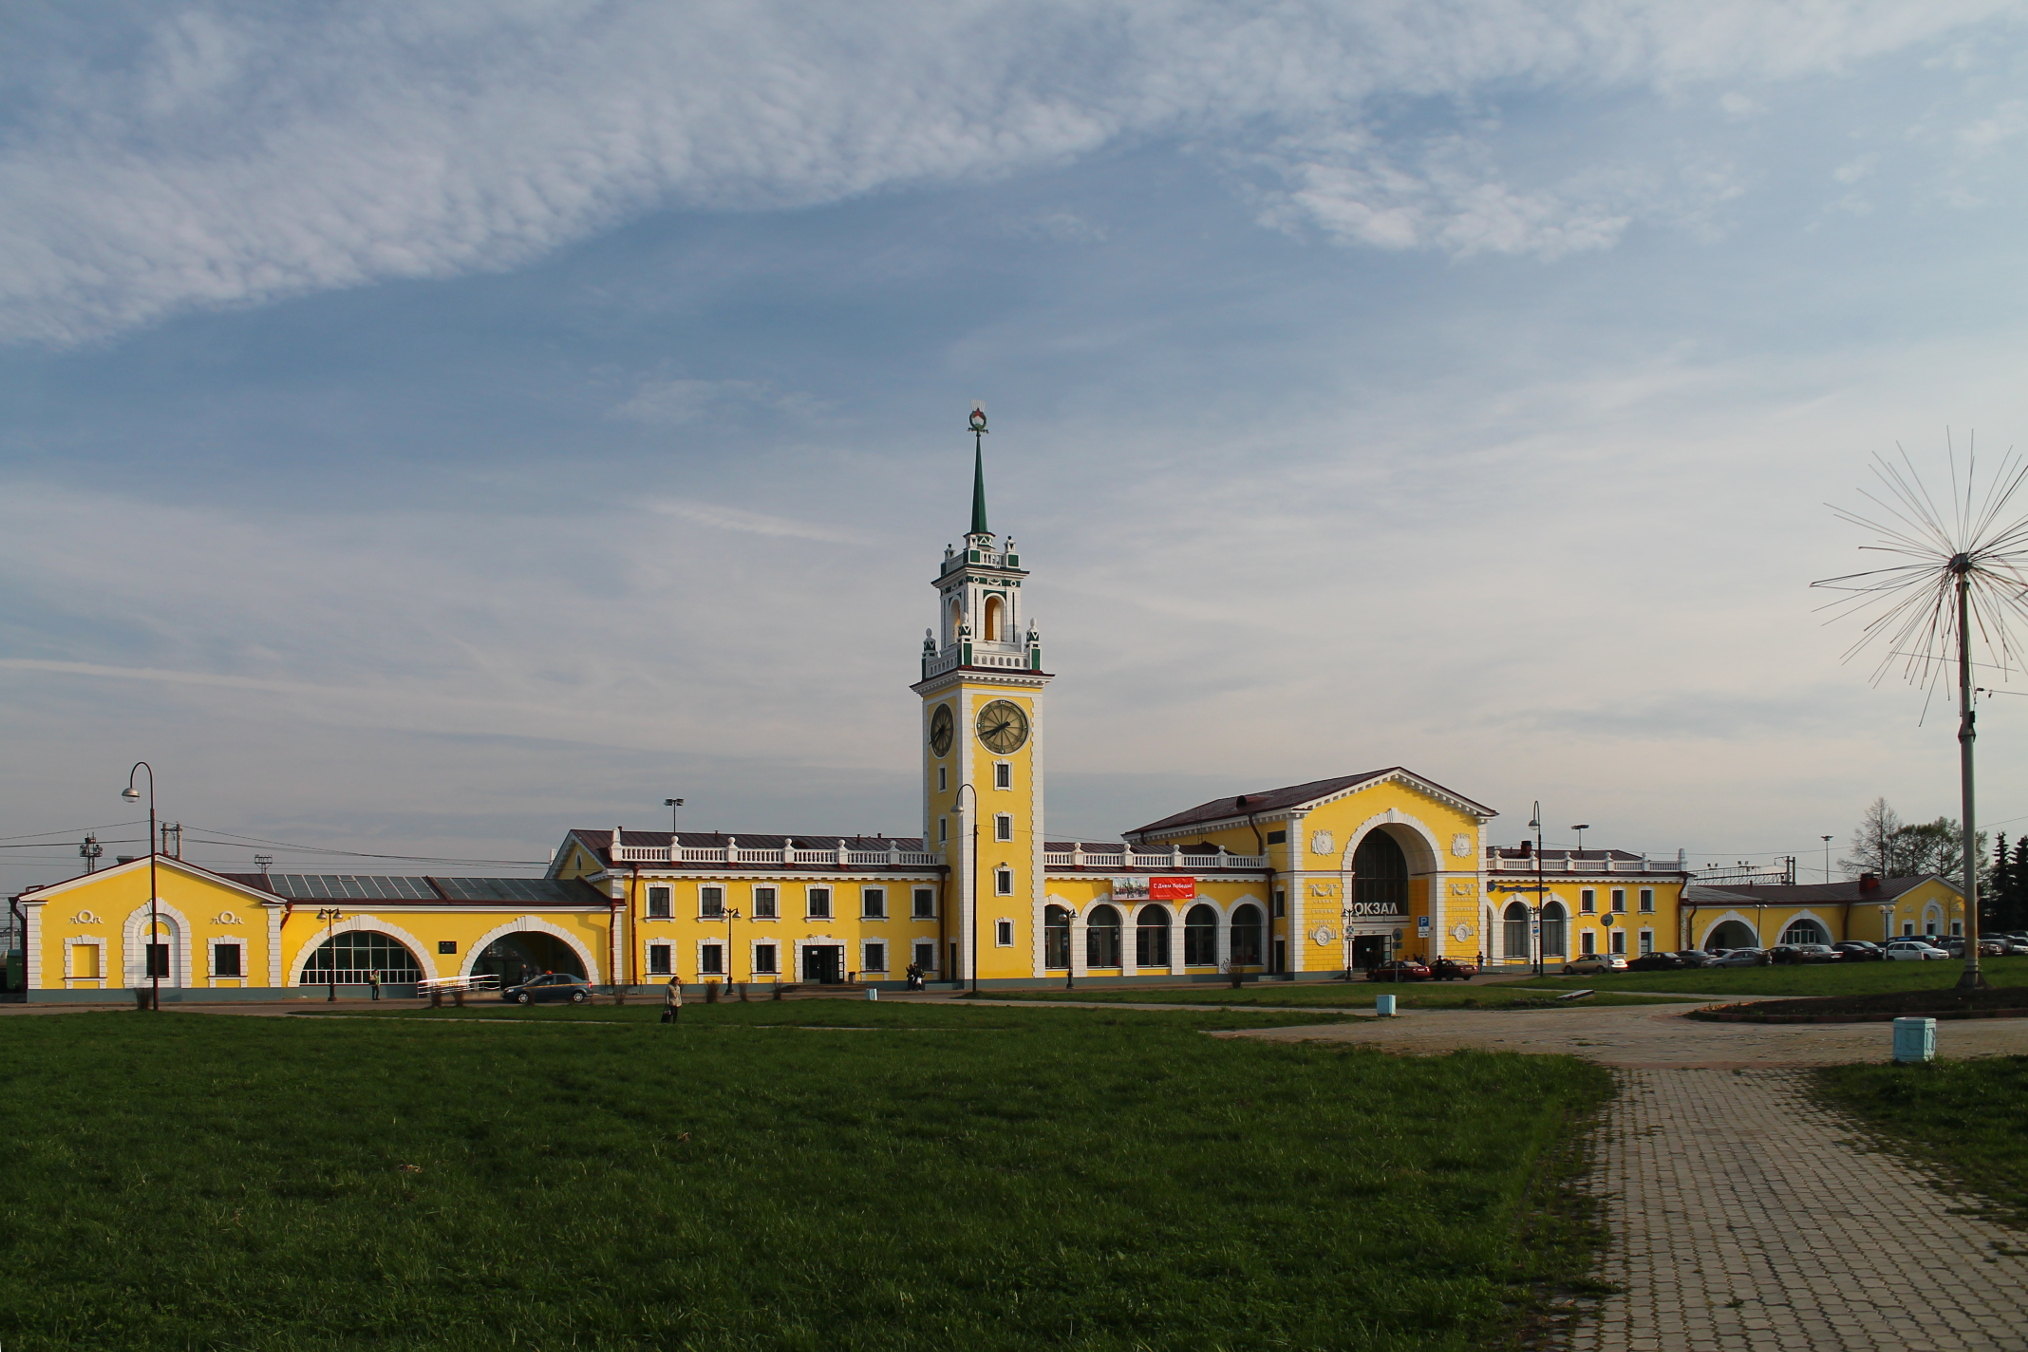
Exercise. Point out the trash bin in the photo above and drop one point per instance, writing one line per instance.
(141, 998)
(873, 992)
(1383, 1005)
(1914, 1039)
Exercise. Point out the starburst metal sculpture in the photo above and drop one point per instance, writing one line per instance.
(1960, 581)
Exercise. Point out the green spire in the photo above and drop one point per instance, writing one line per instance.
(979, 526)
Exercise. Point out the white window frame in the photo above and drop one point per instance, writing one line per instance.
(916, 951)
(774, 900)
(774, 952)
(1647, 901)
(1619, 901)
(943, 779)
(1619, 943)
(1587, 943)
(943, 830)
(810, 895)
(869, 899)
(666, 901)
(668, 956)
(1003, 933)
(1003, 826)
(1003, 774)
(715, 946)
(923, 903)
(1003, 881)
(211, 948)
(704, 896)
(1647, 942)
(866, 951)
(1587, 901)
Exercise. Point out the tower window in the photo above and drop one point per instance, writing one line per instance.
(1003, 882)
(943, 829)
(1003, 826)
(943, 779)
(1003, 776)
(1003, 933)
(995, 609)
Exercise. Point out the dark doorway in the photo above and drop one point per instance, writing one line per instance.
(1368, 950)
(514, 958)
(824, 964)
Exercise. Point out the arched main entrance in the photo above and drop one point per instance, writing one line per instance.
(351, 959)
(1246, 947)
(1732, 934)
(1804, 930)
(525, 953)
(1380, 876)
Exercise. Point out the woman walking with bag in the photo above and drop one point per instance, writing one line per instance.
(672, 1000)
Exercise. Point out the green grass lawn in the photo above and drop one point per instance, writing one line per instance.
(1968, 1117)
(1340, 995)
(796, 1175)
(1831, 978)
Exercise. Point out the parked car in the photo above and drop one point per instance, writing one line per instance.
(1697, 957)
(1660, 962)
(1994, 948)
(1915, 950)
(1860, 950)
(2010, 947)
(549, 986)
(1592, 964)
(1799, 953)
(1743, 957)
(1398, 969)
(1449, 969)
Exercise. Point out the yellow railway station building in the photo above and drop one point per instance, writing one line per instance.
(1306, 882)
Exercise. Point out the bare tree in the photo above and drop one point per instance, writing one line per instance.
(1873, 842)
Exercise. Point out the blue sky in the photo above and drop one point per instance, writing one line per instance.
(428, 426)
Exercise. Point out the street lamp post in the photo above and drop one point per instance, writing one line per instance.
(672, 804)
(960, 796)
(133, 795)
(731, 914)
(1581, 828)
(1827, 860)
(1536, 822)
(331, 915)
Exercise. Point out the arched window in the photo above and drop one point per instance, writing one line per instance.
(1151, 937)
(1555, 929)
(1380, 876)
(1805, 932)
(1246, 937)
(1055, 937)
(955, 616)
(1200, 937)
(1102, 937)
(995, 607)
(1514, 943)
(351, 958)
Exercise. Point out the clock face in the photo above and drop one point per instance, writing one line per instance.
(1003, 727)
(941, 725)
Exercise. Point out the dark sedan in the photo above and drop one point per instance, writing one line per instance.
(1398, 969)
(1659, 962)
(1860, 950)
(1449, 969)
(549, 986)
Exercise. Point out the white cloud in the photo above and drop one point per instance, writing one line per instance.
(755, 523)
(246, 154)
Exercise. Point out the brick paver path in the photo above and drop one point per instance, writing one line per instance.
(1741, 1220)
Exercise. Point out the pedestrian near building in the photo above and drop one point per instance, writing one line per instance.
(915, 976)
(672, 1000)
(373, 983)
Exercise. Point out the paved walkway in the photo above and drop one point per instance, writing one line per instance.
(1742, 1220)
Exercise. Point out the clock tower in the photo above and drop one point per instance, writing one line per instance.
(982, 735)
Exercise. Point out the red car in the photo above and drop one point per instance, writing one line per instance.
(1398, 969)
(1449, 969)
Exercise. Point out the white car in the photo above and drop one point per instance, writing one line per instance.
(1913, 950)
(1595, 963)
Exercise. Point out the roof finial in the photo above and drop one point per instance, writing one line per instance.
(978, 424)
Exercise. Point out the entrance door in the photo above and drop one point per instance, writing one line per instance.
(824, 964)
(1368, 950)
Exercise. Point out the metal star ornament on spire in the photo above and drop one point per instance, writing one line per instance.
(1960, 574)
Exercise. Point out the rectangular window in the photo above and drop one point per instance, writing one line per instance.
(873, 903)
(658, 959)
(1907, 928)
(1587, 901)
(158, 960)
(1648, 900)
(925, 903)
(711, 960)
(1003, 776)
(1958, 928)
(1619, 941)
(1003, 933)
(943, 829)
(447, 945)
(1003, 827)
(1003, 882)
(876, 957)
(84, 960)
(820, 903)
(658, 903)
(764, 903)
(1647, 942)
(225, 960)
(1278, 837)
(1281, 902)
(1587, 942)
(764, 960)
(943, 779)
(926, 956)
(1619, 901)
(711, 902)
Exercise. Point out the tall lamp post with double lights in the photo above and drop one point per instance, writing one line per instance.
(1581, 828)
(1536, 824)
(331, 915)
(962, 790)
(672, 804)
(133, 795)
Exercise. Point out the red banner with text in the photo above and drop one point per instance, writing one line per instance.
(1172, 889)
